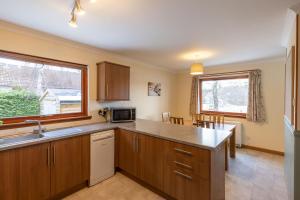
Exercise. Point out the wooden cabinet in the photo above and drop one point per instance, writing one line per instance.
(128, 152)
(8, 175)
(150, 160)
(25, 173)
(113, 82)
(34, 172)
(186, 172)
(69, 168)
(140, 156)
(45, 171)
(180, 171)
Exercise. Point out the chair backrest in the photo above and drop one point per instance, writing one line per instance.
(219, 119)
(177, 120)
(206, 124)
(166, 116)
(198, 117)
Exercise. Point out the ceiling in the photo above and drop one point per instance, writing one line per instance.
(164, 32)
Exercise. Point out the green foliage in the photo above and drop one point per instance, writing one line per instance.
(18, 102)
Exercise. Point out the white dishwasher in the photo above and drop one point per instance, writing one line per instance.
(102, 156)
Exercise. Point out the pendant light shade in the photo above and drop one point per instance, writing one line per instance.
(197, 69)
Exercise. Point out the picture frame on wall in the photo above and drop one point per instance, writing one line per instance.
(154, 89)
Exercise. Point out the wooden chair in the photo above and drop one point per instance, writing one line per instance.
(198, 119)
(166, 116)
(177, 120)
(218, 119)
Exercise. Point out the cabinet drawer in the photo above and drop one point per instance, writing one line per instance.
(189, 153)
(183, 184)
(191, 168)
(190, 160)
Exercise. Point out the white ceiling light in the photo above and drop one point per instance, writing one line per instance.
(93, 1)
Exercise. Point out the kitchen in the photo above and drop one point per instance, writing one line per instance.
(78, 85)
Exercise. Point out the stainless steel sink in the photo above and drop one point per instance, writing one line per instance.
(48, 134)
(61, 132)
(21, 138)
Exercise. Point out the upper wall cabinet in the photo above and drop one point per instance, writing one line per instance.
(113, 82)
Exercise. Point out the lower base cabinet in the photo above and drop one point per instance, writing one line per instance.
(8, 175)
(186, 172)
(44, 171)
(34, 172)
(179, 171)
(68, 167)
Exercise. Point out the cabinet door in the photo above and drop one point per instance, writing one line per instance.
(8, 175)
(68, 164)
(117, 82)
(34, 172)
(150, 160)
(128, 152)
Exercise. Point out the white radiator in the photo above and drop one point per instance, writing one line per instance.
(238, 132)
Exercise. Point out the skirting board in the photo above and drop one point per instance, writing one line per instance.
(263, 150)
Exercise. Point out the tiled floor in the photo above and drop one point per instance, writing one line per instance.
(252, 176)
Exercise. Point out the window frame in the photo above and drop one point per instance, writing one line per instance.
(14, 122)
(216, 78)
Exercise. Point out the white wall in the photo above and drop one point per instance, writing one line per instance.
(175, 87)
(268, 135)
(18, 39)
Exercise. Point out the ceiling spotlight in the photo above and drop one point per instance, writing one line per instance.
(93, 1)
(78, 8)
(73, 21)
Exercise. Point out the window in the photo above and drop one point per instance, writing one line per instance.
(227, 96)
(39, 88)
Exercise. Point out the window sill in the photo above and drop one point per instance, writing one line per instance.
(51, 121)
(225, 114)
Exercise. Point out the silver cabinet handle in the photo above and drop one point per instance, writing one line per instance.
(183, 151)
(48, 156)
(134, 144)
(183, 165)
(54, 155)
(137, 143)
(96, 140)
(183, 175)
(106, 90)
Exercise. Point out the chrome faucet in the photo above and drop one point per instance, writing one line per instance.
(40, 129)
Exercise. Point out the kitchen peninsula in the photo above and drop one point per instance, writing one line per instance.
(181, 162)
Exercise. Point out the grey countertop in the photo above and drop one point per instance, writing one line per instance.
(198, 137)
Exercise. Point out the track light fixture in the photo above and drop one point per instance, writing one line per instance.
(78, 9)
(73, 20)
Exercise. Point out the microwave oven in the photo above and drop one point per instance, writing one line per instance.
(122, 115)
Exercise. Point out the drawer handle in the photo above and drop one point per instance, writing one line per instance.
(183, 151)
(54, 156)
(183, 165)
(100, 139)
(183, 175)
(48, 156)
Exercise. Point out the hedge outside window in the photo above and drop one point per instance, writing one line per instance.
(39, 88)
